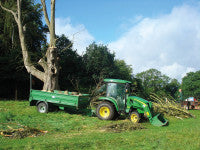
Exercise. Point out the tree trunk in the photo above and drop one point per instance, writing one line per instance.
(52, 71)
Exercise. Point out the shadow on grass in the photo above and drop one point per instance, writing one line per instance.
(83, 112)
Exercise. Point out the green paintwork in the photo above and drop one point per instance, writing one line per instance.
(144, 106)
(110, 99)
(159, 120)
(116, 81)
(60, 99)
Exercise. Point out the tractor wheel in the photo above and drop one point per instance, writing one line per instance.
(134, 117)
(42, 107)
(105, 111)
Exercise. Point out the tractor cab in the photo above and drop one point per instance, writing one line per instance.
(117, 90)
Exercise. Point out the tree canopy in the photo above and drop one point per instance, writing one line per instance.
(98, 60)
(191, 85)
(12, 70)
(153, 81)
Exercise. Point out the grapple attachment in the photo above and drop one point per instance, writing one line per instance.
(159, 120)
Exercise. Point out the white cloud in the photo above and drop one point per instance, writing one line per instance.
(170, 43)
(176, 70)
(78, 34)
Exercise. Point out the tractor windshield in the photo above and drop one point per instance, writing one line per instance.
(116, 90)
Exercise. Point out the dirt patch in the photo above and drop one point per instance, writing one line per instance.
(121, 127)
(21, 132)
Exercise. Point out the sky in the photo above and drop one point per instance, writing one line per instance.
(160, 34)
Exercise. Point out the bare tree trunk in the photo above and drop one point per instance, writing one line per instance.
(51, 68)
(52, 72)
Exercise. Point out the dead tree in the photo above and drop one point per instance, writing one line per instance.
(49, 63)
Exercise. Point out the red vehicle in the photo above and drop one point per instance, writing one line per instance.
(191, 103)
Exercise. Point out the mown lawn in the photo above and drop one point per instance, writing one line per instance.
(73, 131)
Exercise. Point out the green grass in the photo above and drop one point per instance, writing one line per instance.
(72, 131)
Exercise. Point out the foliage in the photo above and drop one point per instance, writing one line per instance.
(122, 70)
(98, 60)
(72, 68)
(122, 126)
(13, 75)
(137, 88)
(191, 85)
(172, 88)
(166, 105)
(153, 81)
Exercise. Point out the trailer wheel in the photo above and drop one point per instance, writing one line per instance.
(105, 111)
(134, 117)
(42, 107)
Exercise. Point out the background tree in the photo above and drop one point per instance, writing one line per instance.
(72, 73)
(13, 75)
(172, 88)
(98, 60)
(191, 85)
(122, 70)
(153, 81)
(137, 88)
(49, 63)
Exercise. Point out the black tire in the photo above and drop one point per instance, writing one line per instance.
(105, 111)
(134, 117)
(52, 108)
(116, 116)
(42, 107)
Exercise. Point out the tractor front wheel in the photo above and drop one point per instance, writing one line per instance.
(105, 111)
(134, 117)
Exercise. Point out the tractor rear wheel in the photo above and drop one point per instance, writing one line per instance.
(105, 111)
(134, 117)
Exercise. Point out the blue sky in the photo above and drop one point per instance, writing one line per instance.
(160, 34)
(104, 19)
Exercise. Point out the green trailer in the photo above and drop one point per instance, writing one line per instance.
(46, 101)
(114, 99)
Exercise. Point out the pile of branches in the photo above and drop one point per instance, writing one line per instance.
(168, 106)
(95, 93)
(123, 126)
(22, 132)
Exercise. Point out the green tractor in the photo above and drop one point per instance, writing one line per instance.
(116, 100)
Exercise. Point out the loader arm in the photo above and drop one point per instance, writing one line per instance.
(145, 107)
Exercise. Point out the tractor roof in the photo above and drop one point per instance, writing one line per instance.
(116, 81)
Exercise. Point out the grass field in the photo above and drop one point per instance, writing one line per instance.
(75, 131)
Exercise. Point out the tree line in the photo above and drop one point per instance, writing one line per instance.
(76, 72)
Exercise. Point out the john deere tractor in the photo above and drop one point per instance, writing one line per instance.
(116, 100)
